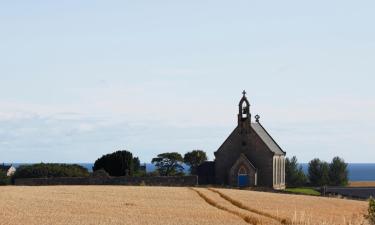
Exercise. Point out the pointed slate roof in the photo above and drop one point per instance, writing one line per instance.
(267, 139)
(263, 134)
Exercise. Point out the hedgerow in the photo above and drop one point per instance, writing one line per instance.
(47, 170)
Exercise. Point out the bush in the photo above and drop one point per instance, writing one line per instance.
(45, 170)
(153, 174)
(100, 173)
(371, 211)
(140, 173)
(4, 179)
(120, 163)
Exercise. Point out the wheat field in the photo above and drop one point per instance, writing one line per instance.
(111, 205)
(301, 209)
(361, 184)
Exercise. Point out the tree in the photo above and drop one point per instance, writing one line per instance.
(136, 164)
(318, 172)
(338, 172)
(295, 177)
(169, 163)
(119, 163)
(325, 174)
(194, 159)
(4, 179)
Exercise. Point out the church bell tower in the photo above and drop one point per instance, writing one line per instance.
(244, 116)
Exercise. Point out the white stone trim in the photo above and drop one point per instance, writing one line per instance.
(274, 170)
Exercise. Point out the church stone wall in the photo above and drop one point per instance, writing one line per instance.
(262, 159)
(255, 150)
(225, 159)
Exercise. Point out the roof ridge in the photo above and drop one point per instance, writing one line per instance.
(271, 137)
(266, 136)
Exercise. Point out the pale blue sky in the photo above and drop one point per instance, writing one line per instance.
(79, 79)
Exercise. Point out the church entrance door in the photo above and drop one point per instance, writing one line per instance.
(243, 178)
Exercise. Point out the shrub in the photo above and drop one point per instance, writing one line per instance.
(140, 173)
(371, 211)
(4, 179)
(100, 173)
(119, 163)
(153, 174)
(45, 170)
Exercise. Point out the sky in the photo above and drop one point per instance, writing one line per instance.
(79, 79)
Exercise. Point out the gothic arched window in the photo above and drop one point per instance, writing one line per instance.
(242, 171)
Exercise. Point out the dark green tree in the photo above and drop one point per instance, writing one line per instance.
(119, 163)
(169, 164)
(136, 164)
(139, 171)
(318, 172)
(295, 177)
(4, 179)
(314, 171)
(194, 159)
(338, 172)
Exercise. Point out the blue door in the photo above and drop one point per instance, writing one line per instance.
(243, 180)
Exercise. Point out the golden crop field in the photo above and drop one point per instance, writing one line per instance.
(362, 184)
(300, 209)
(169, 205)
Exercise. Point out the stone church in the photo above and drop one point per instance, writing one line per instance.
(248, 157)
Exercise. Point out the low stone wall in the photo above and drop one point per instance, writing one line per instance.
(351, 192)
(149, 181)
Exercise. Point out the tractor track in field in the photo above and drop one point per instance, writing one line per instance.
(249, 209)
(246, 218)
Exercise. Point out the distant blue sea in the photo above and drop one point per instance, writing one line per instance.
(357, 171)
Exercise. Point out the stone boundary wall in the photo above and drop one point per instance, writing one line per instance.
(351, 192)
(148, 181)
